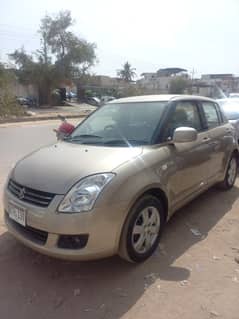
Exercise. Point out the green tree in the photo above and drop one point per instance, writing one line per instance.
(61, 57)
(127, 73)
(178, 85)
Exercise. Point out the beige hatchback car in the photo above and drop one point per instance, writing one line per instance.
(110, 187)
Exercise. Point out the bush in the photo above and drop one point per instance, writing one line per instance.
(178, 85)
(9, 106)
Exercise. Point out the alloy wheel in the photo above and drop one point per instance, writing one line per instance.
(232, 171)
(145, 229)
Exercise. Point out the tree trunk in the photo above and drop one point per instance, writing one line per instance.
(44, 96)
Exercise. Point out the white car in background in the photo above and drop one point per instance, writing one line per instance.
(106, 99)
(234, 95)
(230, 107)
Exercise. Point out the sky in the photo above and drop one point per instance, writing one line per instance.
(201, 36)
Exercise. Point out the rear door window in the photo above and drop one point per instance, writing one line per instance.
(222, 116)
(211, 114)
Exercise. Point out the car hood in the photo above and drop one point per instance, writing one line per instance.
(57, 167)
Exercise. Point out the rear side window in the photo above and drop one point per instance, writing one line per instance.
(211, 114)
(223, 117)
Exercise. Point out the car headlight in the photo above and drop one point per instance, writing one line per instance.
(82, 196)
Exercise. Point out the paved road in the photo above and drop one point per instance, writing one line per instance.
(17, 140)
(192, 275)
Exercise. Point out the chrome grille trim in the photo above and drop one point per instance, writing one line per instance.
(29, 195)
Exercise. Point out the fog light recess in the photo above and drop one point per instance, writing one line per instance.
(72, 241)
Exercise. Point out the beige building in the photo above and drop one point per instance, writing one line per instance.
(199, 87)
(211, 85)
(226, 82)
(159, 82)
(106, 81)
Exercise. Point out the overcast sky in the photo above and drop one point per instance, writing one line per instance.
(193, 34)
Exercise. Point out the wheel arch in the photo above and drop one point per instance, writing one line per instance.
(155, 191)
(159, 194)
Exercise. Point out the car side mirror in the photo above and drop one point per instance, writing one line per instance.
(184, 135)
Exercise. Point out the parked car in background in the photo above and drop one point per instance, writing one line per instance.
(22, 100)
(113, 183)
(234, 95)
(70, 95)
(107, 98)
(231, 110)
(93, 100)
(28, 101)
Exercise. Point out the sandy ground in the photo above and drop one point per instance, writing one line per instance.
(36, 114)
(193, 275)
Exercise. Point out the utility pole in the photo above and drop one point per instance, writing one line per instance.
(191, 80)
(192, 75)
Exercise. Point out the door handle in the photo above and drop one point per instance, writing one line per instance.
(213, 143)
(206, 139)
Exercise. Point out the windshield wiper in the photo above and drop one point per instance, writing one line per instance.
(82, 136)
(125, 142)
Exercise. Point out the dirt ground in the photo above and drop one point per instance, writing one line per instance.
(193, 275)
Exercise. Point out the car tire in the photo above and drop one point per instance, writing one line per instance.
(142, 229)
(231, 173)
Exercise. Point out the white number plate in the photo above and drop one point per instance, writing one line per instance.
(17, 213)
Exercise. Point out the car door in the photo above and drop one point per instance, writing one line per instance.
(217, 133)
(189, 161)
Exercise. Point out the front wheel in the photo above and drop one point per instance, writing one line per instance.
(231, 173)
(142, 230)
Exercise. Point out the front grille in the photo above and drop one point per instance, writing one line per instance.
(30, 195)
(35, 235)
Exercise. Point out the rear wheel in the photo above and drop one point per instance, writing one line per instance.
(142, 230)
(231, 173)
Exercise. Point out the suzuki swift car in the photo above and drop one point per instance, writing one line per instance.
(111, 186)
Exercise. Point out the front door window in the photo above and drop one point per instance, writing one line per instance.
(185, 115)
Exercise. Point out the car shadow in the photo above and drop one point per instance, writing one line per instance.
(35, 286)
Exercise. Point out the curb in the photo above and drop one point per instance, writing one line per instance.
(41, 118)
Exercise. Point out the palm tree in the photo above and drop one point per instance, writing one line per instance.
(127, 73)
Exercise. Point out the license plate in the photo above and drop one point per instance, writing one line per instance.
(18, 214)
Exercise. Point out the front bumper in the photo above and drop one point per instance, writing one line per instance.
(102, 227)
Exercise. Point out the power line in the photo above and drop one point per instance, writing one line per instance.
(10, 32)
(17, 34)
(18, 27)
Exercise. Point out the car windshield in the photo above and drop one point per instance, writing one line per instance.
(231, 109)
(120, 124)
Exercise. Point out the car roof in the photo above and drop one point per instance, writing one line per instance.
(161, 98)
